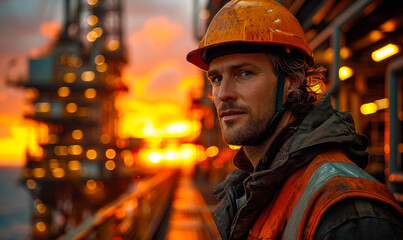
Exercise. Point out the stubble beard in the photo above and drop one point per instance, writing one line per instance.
(253, 133)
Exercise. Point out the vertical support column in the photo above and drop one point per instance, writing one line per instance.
(335, 65)
(394, 131)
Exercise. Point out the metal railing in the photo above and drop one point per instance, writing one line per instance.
(132, 216)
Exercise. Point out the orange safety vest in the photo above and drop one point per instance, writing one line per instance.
(296, 210)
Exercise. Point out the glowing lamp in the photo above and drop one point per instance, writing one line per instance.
(31, 184)
(69, 77)
(39, 172)
(71, 108)
(368, 108)
(41, 208)
(88, 76)
(212, 151)
(91, 184)
(75, 149)
(345, 73)
(385, 52)
(154, 157)
(40, 226)
(77, 134)
(92, 2)
(382, 103)
(99, 59)
(110, 165)
(90, 93)
(74, 165)
(91, 154)
(110, 153)
(63, 91)
(98, 31)
(113, 45)
(92, 36)
(92, 20)
(42, 107)
(58, 172)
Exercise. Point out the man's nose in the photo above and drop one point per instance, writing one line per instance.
(227, 91)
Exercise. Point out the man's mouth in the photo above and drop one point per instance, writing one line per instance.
(231, 114)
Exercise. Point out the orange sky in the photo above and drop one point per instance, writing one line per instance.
(158, 35)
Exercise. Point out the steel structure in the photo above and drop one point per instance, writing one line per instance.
(75, 87)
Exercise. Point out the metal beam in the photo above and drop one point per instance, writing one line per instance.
(392, 79)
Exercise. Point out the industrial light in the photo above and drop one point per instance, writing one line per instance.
(41, 208)
(71, 108)
(110, 165)
(154, 157)
(98, 31)
(128, 160)
(368, 108)
(53, 163)
(92, 2)
(345, 73)
(110, 153)
(63, 91)
(88, 76)
(91, 154)
(75, 149)
(212, 151)
(69, 77)
(42, 107)
(390, 25)
(31, 184)
(91, 184)
(92, 20)
(385, 52)
(39, 172)
(92, 36)
(113, 45)
(58, 172)
(74, 165)
(102, 67)
(77, 134)
(40, 226)
(90, 93)
(382, 103)
(99, 59)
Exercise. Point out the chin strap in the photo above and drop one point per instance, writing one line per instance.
(280, 107)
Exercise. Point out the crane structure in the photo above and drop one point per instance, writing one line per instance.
(84, 164)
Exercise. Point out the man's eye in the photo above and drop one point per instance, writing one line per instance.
(246, 73)
(216, 79)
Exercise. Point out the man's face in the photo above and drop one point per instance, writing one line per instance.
(243, 88)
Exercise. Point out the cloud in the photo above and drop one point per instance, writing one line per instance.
(157, 33)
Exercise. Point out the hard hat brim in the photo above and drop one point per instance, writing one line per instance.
(196, 56)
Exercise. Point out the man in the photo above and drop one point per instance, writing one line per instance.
(299, 174)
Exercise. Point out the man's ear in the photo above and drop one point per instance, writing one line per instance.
(289, 85)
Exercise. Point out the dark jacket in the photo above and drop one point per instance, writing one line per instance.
(247, 191)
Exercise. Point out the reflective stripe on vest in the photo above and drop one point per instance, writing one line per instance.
(321, 175)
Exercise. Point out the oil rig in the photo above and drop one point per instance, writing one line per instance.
(84, 164)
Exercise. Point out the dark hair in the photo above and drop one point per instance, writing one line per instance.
(310, 82)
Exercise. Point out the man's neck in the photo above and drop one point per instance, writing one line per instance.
(255, 153)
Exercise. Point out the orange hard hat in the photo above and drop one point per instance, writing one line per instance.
(252, 22)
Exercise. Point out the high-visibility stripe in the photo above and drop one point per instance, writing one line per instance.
(321, 175)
